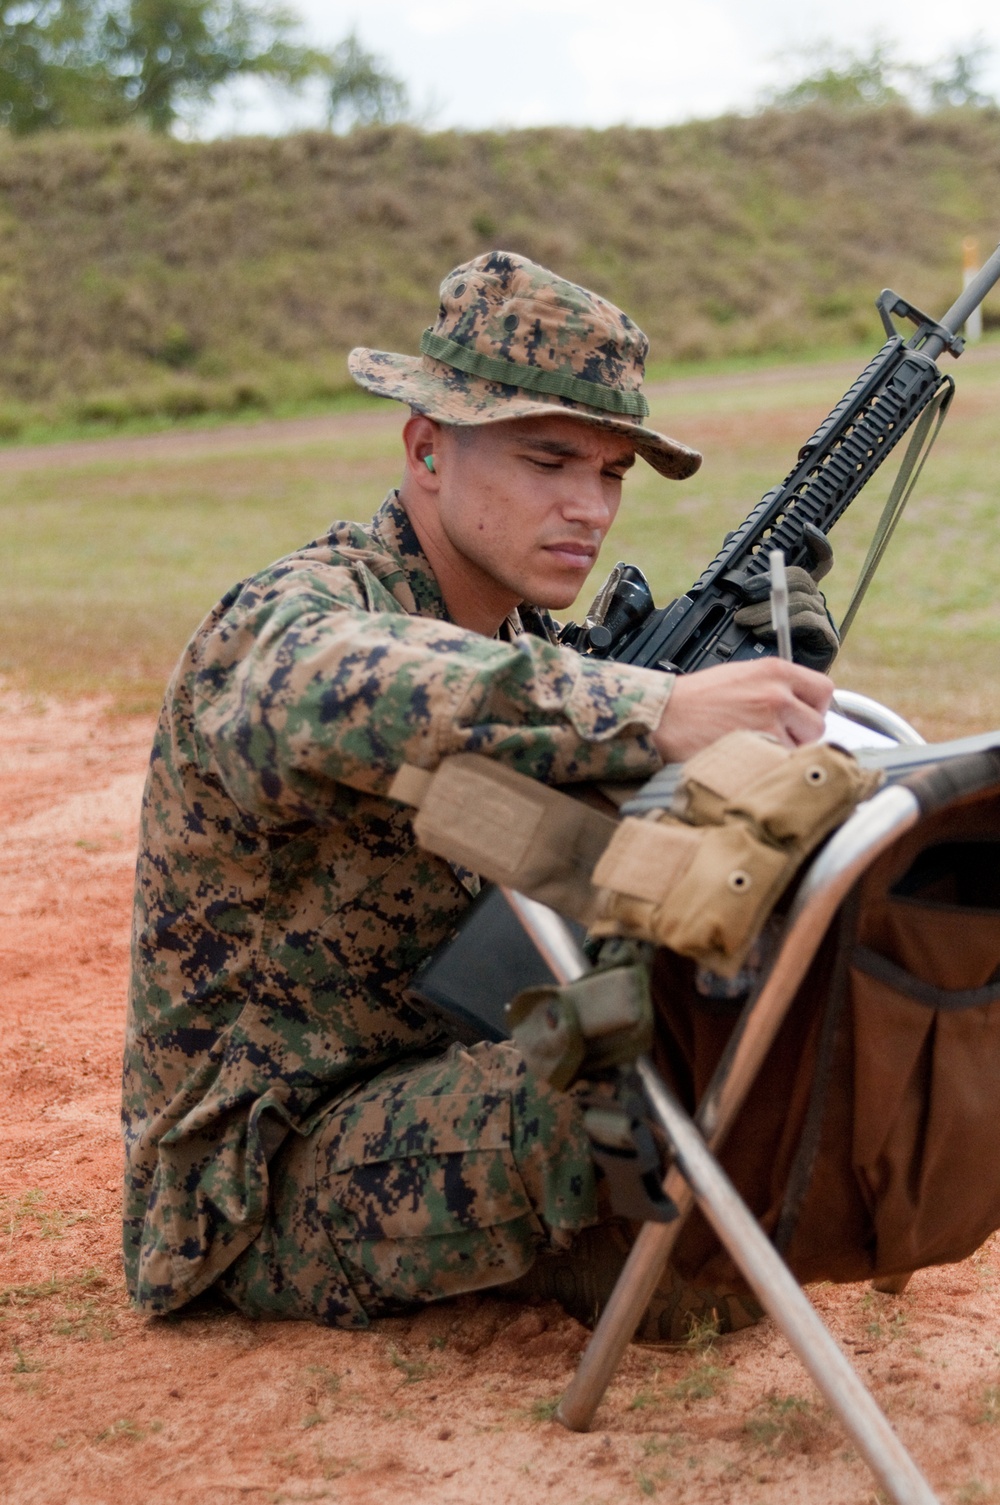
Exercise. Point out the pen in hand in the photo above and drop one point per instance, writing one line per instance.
(779, 604)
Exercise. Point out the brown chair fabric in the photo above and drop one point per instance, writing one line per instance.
(869, 1144)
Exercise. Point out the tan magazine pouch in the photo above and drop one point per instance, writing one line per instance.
(509, 829)
(700, 878)
(703, 877)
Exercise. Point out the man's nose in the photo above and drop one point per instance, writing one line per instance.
(587, 502)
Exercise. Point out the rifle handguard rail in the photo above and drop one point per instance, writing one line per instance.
(899, 384)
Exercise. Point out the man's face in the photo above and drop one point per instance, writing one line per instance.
(529, 501)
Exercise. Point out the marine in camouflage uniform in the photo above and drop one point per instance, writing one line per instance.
(298, 1134)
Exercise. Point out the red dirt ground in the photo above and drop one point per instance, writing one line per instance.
(101, 1407)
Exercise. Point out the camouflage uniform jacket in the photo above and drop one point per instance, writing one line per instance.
(281, 902)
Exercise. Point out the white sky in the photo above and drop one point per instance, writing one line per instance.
(592, 62)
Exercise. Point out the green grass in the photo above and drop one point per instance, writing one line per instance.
(295, 395)
(66, 424)
(703, 1380)
(80, 1313)
(781, 1423)
(23, 1363)
(854, 352)
(990, 1406)
(33, 1209)
(110, 563)
(412, 1370)
(544, 1409)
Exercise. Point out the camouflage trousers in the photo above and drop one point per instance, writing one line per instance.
(434, 1178)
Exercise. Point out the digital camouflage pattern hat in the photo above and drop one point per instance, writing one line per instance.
(513, 340)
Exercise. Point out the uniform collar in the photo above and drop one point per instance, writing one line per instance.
(416, 588)
(415, 585)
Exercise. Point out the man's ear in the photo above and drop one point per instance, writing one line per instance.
(421, 436)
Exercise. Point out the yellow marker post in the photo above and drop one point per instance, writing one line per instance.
(970, 266)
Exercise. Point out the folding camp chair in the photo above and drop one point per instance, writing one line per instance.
(696, 1177)
(923, 780)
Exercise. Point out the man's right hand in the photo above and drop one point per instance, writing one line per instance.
(782, 699)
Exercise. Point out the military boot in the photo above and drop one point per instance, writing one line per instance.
(582, 1280)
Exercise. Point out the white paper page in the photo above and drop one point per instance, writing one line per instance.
(851, 734)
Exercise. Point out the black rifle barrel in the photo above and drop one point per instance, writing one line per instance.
(970, 299)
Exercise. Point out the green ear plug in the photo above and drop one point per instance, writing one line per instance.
(429, 462)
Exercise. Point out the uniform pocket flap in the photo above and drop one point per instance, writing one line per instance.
(644, 859)
(449, 1124)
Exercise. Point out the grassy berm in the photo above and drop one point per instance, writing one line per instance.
(144, 278)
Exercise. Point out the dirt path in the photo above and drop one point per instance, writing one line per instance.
(100, 1407)
(293, 433)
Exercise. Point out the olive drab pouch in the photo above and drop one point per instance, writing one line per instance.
(591, 1030)
(868, 1144)
(584, 1028)
(703, 876)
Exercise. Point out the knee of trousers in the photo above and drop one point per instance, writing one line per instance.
(434, 1178)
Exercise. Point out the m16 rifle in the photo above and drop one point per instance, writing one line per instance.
(900, 387)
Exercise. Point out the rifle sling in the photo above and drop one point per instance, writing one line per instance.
(907, 477)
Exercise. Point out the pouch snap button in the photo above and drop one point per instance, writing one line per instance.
(816, 775)
(739, 881)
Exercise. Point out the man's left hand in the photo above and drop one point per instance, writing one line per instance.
(815, 640)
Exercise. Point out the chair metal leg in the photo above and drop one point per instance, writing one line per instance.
(779, 1291)
(873, 827)
(696, 1176)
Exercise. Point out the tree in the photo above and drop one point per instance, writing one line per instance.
(102, 62)
(954, 82)
(362, 90)
(167, 53)
(49, 76)
(843, 79)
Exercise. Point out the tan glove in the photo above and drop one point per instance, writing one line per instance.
(815, 640)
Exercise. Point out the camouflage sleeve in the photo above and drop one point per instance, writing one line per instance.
(299, 688)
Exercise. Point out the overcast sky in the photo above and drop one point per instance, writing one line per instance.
(591, 62)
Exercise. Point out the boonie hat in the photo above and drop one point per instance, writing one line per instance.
(513, 340)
